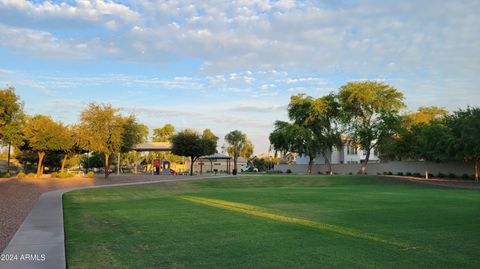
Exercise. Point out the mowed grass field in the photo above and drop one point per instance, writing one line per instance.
(274, 221)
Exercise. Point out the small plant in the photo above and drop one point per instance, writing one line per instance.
(416, 174)
(452, 175)
(350, 173)
(400, 174)
(54, 175)
(430, 175)
(465, 176)
(31, 175)
(320, 173)
(388, 173)
(409, 174)
(5, 175)
(440, 175)
(288, 171)
(90, 174)
(64, 175)
(21, 175)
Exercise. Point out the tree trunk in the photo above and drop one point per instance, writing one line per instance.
(426, 171)
(328, 164)
(235, 165)
(363, 168)
(107, 166)
(8, 158)
(310, 164)
(192, 160)
(211, 166)
(63, 163)
(41, 155)
(476, 170)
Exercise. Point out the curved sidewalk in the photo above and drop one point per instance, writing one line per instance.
(40, 240)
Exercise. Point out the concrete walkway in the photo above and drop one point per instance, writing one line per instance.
(40, 240)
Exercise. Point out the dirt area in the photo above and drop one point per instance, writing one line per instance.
(17, 196)
(452, 183)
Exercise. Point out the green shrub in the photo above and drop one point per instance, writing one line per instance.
(288, 171)
(416, 174)
(430, 175)
(320, 173)
(54, 175)
(5, 175)
(389, 173)
(90, 174)
(350, 173)
(64, 175)
(465, 176)
(440, 175)
(408, 174)
(452, 175)
(400, 174)
(31, 175)
(21, 175)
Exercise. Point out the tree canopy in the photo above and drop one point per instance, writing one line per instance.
(189, 143)
(163, 134)
(43, 134)
(11, 120)
(237, 143)
(102, 130)
(370, 110)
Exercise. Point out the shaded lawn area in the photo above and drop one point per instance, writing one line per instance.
(151, 226)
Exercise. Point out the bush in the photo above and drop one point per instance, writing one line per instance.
(288, 171)
(431, 175)
(21, 175)
(90, 174)
(31, 175)
(400, 174)
(5, 175)
(275, 172)
(350, 173)
(452, 175)
(64, 175)
(54, 175)
(408, 174)
(320, 173)
(389, 173)
(416, 174)
(465, 176)
(440, 175)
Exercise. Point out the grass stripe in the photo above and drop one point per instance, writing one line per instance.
(265, 213)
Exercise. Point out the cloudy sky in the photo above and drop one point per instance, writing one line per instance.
(226, 66)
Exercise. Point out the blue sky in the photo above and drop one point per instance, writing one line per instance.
(233, 65)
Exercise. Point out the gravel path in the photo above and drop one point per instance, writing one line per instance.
(17, 196)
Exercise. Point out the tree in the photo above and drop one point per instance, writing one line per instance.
(464, 126)
(11, 120)
(368, 108)
(247, 150)
(43, 135)
(189, 143)
(133, 133)
(102, 129)
(163, 134)
(237, 142)
(424, 115)
(299, 139)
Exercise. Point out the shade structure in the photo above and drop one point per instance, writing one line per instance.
(153, 146)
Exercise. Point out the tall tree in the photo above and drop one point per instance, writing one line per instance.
(368, 108)
(247, 150)
(163, 134)
(189, 143)
(424, 115)
(464, 126)
(11, 120)
(42, 135)
(237, 141)
(102, 129)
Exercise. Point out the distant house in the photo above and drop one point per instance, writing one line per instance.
(349, 153)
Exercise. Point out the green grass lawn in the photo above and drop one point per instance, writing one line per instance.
(156, 226)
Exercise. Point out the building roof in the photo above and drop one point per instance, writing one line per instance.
(153, 146)
(216, 156)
